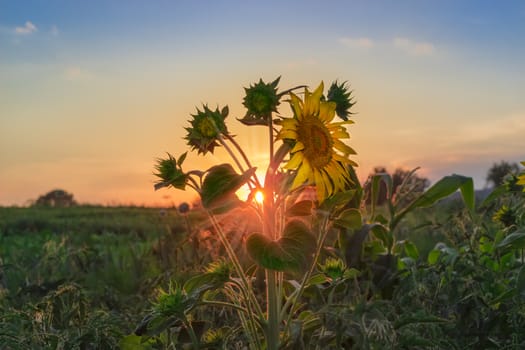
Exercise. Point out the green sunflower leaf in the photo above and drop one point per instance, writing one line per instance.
(220, 184)
(181, 159)
(433, 257)
(350, 219)
(441, 189)
(445, 187)
(291, 252)
(301, 208)
(411, 250)
(337, 201)
(515, 240)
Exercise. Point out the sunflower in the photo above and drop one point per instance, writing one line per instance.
(318, 154)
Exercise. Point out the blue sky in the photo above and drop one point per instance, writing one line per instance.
(91, 92)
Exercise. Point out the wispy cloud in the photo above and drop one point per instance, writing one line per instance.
(413, 47)
(28, 28)
(364, 43)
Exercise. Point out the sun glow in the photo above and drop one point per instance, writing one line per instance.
(259, 196)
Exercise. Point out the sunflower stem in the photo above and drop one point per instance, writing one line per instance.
(292, 89)
(270, 136)
(245, 286)
(272, 336)
(295, 298)
(230, 152)
(270, 230)
(243, 155)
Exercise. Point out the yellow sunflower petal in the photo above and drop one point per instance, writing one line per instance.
(328, 183)
(343, 147)
(340, 134)
(312, 101)
(295, 161)
(320, 186)
(327, 111)
(299, 146)
(297, 105)
(338, 176)
(287, 134)
(342, 123)
(318, 93)
(344, 160)
(288, 123)
(302, 176)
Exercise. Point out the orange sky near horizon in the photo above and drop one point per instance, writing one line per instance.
(91, 93)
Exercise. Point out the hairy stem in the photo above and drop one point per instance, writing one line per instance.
(272, 336)
(243, 155)
(294, 299)
(245, 286)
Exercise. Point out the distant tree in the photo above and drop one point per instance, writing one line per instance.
(414, 184)
(56, 198)
(496, 174)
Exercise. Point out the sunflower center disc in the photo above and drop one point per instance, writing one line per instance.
(317, 142)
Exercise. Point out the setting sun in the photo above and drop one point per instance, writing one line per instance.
(259, 196)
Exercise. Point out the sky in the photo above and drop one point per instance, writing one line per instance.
(92, 92)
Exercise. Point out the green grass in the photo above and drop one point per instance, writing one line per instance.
(96, 262)
(85, 277)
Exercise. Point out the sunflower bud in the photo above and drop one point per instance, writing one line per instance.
(170, 303)
(260, 101)
(221, 271)
(341, 96)
(206, 128)
(215, 338)
(170, 172)
(333, 268)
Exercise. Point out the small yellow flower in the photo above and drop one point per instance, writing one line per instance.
(505, 215)
(318, 155)
(521, 178)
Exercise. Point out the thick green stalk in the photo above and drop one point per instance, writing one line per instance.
(272, 335)
(292, 301)
(270, 230)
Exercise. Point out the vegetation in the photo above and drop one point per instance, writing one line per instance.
(56, 198)
(498, 171)
(312, 259)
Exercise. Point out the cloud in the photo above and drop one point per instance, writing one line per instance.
(28, 28)
(76, 74)
(413, 47)
(364, 43)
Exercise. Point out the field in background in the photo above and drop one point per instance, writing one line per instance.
(84, 277)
